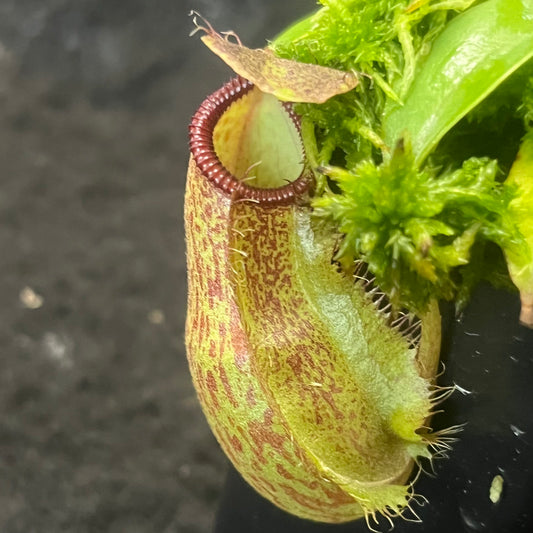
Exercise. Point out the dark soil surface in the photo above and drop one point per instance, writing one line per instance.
(100, 430)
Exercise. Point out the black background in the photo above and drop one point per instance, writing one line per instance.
(100, 430)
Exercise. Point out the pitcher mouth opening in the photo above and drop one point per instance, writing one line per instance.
(219, 167)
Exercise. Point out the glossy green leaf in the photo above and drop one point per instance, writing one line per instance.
(294, 32)
(476, 52)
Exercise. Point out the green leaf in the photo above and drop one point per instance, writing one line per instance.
(295, 31)
(521, 208)
(476, 52)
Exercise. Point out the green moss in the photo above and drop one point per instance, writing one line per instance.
(414, 227)
(426, 224)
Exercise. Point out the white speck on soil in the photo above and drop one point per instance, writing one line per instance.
(30, 299)
(184, 471)
(58, 349)
(156, 316)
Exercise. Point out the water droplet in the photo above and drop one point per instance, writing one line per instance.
(513, 358)
(470, 522)
(517, 431)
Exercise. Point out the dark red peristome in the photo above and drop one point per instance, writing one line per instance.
(203, 150)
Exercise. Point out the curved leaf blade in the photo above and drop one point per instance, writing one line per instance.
(476, 52)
